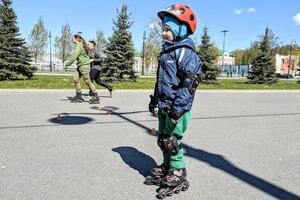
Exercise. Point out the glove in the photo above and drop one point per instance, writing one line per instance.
(175, 115)
(152, 104)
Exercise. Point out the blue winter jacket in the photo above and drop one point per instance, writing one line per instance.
(178, 66)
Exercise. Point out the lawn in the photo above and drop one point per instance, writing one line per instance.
(66, 82)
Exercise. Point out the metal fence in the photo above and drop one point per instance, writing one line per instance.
(233, 70)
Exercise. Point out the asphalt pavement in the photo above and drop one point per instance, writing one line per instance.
(240, 145)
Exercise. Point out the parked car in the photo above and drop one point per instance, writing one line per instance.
(288, 76)
(278, 75)
(297, 74)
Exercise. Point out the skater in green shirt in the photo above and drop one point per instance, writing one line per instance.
(83, 70)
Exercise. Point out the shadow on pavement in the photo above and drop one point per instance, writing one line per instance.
(219, 162)
(86, 97)
(27, 126)
(135, 159)
(71, 120)
(113, 109)
(68, 119)
(138, 160)
(100, 96)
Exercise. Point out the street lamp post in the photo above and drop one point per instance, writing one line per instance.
(224, 32)
(291, 49)
(143, 63)
(50, 51)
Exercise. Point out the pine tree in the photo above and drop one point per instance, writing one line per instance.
(209, 70)
(100, 43)
(120, 52)
(14, 54)
(263, 70)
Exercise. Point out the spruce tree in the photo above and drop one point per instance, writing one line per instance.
(263, 70)
(120, 52)
(100, 43)
(209, 70)
(14, 54)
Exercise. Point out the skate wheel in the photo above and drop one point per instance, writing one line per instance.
(186, 186)
(148, 180)
(162, 194)
(177, 191)
(169, 194)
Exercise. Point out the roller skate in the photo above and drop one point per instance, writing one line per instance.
(174, 182)
(77, 98)
(157, 174)
(95, 99)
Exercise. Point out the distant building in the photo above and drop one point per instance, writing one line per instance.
(282, 64)
(43, 63)
(228, 60)
(137, 65)
(150, 68)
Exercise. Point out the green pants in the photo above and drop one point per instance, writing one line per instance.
(83, 71)
(165, 126)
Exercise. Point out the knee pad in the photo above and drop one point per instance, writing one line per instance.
(170, 145)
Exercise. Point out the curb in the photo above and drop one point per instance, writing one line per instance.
(143, 91)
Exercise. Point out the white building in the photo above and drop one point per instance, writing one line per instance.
(228, 60)
(149, 68)
(43, 63)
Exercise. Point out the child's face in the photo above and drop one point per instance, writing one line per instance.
(167, 34)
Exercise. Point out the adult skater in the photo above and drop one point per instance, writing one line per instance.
(95, 71)
(83, 70)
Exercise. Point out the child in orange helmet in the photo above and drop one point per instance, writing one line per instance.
(178, 76)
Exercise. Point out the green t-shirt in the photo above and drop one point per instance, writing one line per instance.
(80, 55)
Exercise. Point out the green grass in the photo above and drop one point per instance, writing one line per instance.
(240, 84)
(66, 82)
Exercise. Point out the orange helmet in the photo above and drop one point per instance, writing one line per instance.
(183, 14)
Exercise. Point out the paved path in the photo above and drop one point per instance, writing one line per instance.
(240, 145)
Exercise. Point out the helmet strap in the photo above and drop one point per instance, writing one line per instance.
(178, 37)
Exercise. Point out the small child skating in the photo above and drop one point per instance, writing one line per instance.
(178, 76)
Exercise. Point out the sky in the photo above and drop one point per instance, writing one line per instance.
(245, 20)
